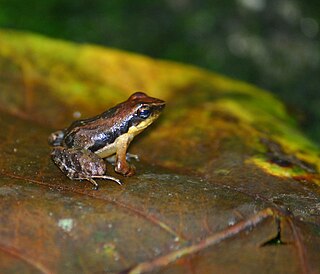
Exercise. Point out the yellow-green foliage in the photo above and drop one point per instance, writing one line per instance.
(96, 77)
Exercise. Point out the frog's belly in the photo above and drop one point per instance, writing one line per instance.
(106, 151)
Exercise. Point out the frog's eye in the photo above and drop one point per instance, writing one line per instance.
(144, 112)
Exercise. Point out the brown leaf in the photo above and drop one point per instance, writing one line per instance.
(206, 198)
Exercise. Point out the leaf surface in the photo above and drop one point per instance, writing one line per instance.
(226, 182)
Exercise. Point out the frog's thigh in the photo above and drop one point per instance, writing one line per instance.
(78, 163)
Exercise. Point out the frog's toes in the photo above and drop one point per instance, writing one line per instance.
(125, 170)
(94, 183)
(106, 177)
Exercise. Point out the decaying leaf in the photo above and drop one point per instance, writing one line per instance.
(226, 183)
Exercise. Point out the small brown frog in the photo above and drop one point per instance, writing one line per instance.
(79, 149)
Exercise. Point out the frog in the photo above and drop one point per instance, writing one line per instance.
(80, 150)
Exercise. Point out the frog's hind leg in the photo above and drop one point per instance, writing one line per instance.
(67, 161)
(81, 164)
(96, 185)
(106, 177)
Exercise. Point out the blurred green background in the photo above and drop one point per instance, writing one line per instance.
(271, 43)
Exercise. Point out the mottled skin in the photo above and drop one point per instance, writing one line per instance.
(79, 149)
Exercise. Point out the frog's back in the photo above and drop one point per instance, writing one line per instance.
(97, 132)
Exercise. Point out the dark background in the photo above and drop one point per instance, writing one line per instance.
(271, 43)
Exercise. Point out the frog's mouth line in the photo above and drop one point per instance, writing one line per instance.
(143, 124)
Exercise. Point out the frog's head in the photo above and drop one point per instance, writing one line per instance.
(145, 110)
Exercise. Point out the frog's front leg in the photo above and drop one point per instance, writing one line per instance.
(81, 164)
(122, 166)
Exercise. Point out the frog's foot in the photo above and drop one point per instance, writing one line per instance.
(125, 169)
(96, 185)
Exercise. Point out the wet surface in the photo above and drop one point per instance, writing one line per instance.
(200, 201)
